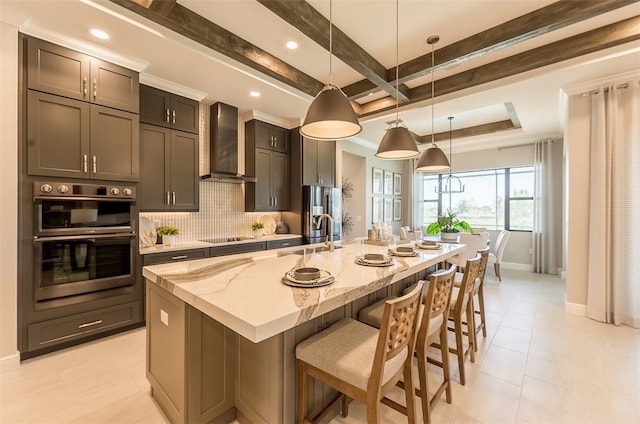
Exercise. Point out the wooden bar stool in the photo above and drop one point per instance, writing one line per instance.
(461, 314)
(432, 331)
(362, 362)
(478, 292)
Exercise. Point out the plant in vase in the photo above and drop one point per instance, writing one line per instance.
(258, 228)
(168, 234)
(448, 226)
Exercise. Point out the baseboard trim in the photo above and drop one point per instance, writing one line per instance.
(515, 265)
(563, 274)
(9, 363)
(575, 308)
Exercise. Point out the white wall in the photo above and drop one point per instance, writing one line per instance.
(9, 189)
(373, 162)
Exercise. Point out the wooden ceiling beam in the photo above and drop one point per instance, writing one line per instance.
(197, 28)
(162, 7)
(588, 42)
(483, 129)
(542, 21)
(314, 25)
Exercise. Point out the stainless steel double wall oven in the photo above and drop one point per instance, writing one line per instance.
(80, 263)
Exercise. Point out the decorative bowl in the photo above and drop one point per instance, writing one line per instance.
(306, 274)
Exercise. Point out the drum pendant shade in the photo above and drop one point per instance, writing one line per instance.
(330, 116)
(433, 159)
(397, 143)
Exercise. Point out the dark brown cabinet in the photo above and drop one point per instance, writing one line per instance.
(169, 177)
(175, 256)
(312, 161)
(269, 165)
(267, 136)
(64, 72)
(72, 138)
(158, 107)
(318, 162)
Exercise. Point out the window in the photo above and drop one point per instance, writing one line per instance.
(494, 199)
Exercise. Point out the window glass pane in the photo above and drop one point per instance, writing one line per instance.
(521, 182)
(521, 214)
(430, 212)
(482, 202)
(429, 187)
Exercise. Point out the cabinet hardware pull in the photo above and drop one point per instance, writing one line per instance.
(167, 116)
(168, 198)
(285, 244)
(95, 164)
(175, 258)
(275, 201)
(174, 116)
(84, 88)
(84, 163)
(95, 89)
(174, 197)
(89, 324)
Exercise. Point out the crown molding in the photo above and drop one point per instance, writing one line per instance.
(172, 87)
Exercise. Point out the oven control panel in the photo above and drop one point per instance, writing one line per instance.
(60, 189)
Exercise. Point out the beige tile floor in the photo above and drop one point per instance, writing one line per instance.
(536, 365)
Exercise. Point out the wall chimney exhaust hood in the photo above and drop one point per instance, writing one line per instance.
(223, 145)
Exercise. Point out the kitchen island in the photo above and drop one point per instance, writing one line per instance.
(221, 332)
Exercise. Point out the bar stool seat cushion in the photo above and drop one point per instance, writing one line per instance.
(346, 350)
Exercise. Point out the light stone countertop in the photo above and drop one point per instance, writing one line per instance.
(197, 244)
(244, 292)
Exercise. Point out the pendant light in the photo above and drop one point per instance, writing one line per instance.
(446, 184)
(433, 159)
(330, 116)
(397, 143)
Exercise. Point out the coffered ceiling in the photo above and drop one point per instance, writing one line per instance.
(500, 64)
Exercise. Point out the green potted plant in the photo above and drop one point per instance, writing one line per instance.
(168, 234)
(448, 225)
(258, 228)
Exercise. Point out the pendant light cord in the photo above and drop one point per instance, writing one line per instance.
(397, 74)
(330, 43)
(450, 157)
(433, 71)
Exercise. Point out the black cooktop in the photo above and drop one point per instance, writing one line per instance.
(225, 239)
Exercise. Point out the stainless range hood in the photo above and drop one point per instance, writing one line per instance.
(223, 145)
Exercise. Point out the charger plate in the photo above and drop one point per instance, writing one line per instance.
(325, 279)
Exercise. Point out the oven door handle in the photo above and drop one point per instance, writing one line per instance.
(37, 239)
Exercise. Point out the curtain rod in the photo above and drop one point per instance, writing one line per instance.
(529, 143)
(605, 89)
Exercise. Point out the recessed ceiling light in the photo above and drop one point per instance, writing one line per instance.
(254, 94)
(99, 34)
(292, 45)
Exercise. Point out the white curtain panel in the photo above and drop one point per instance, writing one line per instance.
(613, 294)
(417, 188)
(545, 218)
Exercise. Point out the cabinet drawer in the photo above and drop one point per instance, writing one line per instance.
(175, 256)
(277, 244)
(237, 248)
(44, 334)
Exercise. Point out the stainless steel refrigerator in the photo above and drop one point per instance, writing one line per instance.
(317, 200)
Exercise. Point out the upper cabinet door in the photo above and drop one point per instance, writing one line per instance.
(185, 114)
(57, 70)
(155, 106)
(114, 86)
(57, 136)
(115, 144)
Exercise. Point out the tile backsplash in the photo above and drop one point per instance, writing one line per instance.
(221, 214)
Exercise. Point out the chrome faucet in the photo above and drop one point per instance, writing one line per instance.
(319, 222)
